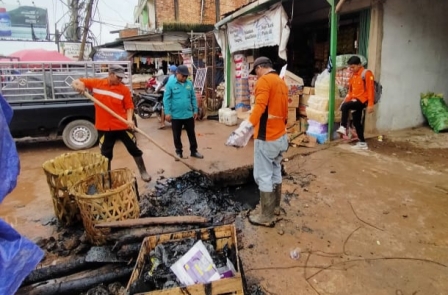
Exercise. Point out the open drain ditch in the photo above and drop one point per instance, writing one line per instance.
(195, 194)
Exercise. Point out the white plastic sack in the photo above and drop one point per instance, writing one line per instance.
(240, 140)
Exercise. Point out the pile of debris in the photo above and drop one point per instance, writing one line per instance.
(191, 194)
(86, 267)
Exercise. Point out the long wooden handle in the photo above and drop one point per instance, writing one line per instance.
(153, 221)
(110, 111)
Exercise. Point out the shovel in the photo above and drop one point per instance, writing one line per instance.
(106, 108)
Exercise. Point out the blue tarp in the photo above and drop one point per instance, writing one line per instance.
(18, 255)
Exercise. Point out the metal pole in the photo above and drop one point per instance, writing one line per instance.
(333, 49)
(56, 36)
(228, 75)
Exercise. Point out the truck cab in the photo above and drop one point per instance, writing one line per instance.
(44, 103)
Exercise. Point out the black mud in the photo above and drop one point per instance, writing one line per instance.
(195, 194)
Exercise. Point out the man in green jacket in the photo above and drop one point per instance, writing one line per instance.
(181, 110)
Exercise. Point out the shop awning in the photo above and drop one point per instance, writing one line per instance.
(152, 46)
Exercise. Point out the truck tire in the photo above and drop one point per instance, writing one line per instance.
(79, 135)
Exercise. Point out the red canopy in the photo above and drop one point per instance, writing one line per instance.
(39, 55)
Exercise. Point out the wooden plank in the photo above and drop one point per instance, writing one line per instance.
(154, 220)
(223, 286)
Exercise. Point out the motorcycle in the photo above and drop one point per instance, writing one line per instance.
(147, 104)
(152, 85)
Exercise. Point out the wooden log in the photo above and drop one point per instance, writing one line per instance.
(103, 275)
(56, 271)
(154, 220)
(137, 235)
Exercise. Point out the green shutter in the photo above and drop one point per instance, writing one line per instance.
(364, 32)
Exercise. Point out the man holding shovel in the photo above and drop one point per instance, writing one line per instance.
(115, 95)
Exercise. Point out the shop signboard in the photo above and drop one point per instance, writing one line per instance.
(21, 22)
(72, 50)
(110, 54)
(256, 31)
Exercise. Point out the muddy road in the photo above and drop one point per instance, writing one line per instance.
(366, 222)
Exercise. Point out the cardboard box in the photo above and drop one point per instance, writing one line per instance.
(292, 117)
(304, 99)
(308, 91)
(295, 90)
(293, 101)
(291, 79)
(302, 110)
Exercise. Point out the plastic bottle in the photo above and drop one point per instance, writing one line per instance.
(5, 23)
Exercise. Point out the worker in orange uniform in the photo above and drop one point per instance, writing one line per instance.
(114, 94)
(269, 118)
(360, 95)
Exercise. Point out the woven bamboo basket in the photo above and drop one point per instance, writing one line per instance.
(106, 197)
(62, 173)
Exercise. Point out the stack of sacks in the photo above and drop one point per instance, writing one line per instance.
(317, 112)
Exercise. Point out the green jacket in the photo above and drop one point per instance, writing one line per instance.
(179, 100)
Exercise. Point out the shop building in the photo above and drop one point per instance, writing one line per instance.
(402, 41)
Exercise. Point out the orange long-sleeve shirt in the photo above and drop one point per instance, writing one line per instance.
(270, 112)
(363, 90)
(116, 97)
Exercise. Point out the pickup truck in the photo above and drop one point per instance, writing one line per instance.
(44, 103)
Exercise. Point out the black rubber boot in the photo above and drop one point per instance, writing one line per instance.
(142, 169)
(267, 206)
(278, 197)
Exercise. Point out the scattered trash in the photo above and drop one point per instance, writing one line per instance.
(255, 290)
(380, 138)
(378, 242)
(306, 229)
(295, 254)
(184, 262)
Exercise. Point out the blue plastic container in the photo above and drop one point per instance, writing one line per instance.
(5, 23)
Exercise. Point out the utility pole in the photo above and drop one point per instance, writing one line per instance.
(74, 20)
(86, 29)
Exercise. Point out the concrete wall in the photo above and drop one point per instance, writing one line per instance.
(414, 59)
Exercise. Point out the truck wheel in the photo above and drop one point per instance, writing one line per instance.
(79, 134)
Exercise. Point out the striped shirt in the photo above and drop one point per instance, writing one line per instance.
(116, 97)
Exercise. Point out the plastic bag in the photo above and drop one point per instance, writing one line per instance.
(435, 111)
(9, 160)
(241, 136)
(18, 255)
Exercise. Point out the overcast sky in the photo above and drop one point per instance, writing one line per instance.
(113, 14)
